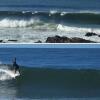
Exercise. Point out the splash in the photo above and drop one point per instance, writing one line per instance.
(7, 74)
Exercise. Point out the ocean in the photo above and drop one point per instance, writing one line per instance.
(50, 74)
(28, 21)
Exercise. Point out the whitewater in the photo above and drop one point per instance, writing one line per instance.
(30, 27)
(6, 73)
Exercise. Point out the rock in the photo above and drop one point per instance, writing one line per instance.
(80, 40)
(13, 40)
(63, 39)
(38, 41)
(57, 39)
(90, 34)
(1, 41)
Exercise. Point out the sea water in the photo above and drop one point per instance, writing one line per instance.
(54, 58)
(33, 20)
(51, 74)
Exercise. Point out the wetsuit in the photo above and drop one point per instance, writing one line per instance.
(15, 65)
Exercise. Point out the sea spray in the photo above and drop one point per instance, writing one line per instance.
(6, 72)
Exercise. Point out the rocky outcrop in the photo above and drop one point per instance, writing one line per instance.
(38, 41)
(63, 39)
(98, 35)
(80, 40)
(91, 34)
(1, 41)
(13, 40)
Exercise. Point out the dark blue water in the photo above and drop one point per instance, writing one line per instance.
(51, 4)
(53, 58)
(46, 74)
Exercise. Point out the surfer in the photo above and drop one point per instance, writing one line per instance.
(15, 65)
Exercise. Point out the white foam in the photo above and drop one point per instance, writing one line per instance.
(73, 29)
(6, 74)
(63, 13)
(80, 32)
(79, 11)
(30, 35)
(35, 23)
(53, 11)
(8, 22)
(25, 11)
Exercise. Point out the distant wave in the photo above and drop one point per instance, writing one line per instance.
(48, 20)
(52, 23)
(39, 25)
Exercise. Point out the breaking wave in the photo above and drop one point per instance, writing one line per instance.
(46, 19)
(22, 23)
(47, 24)
(15, 23)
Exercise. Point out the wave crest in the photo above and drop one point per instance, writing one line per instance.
(6, 22)
(32, 19)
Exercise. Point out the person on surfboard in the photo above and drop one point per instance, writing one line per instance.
(15, 65)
